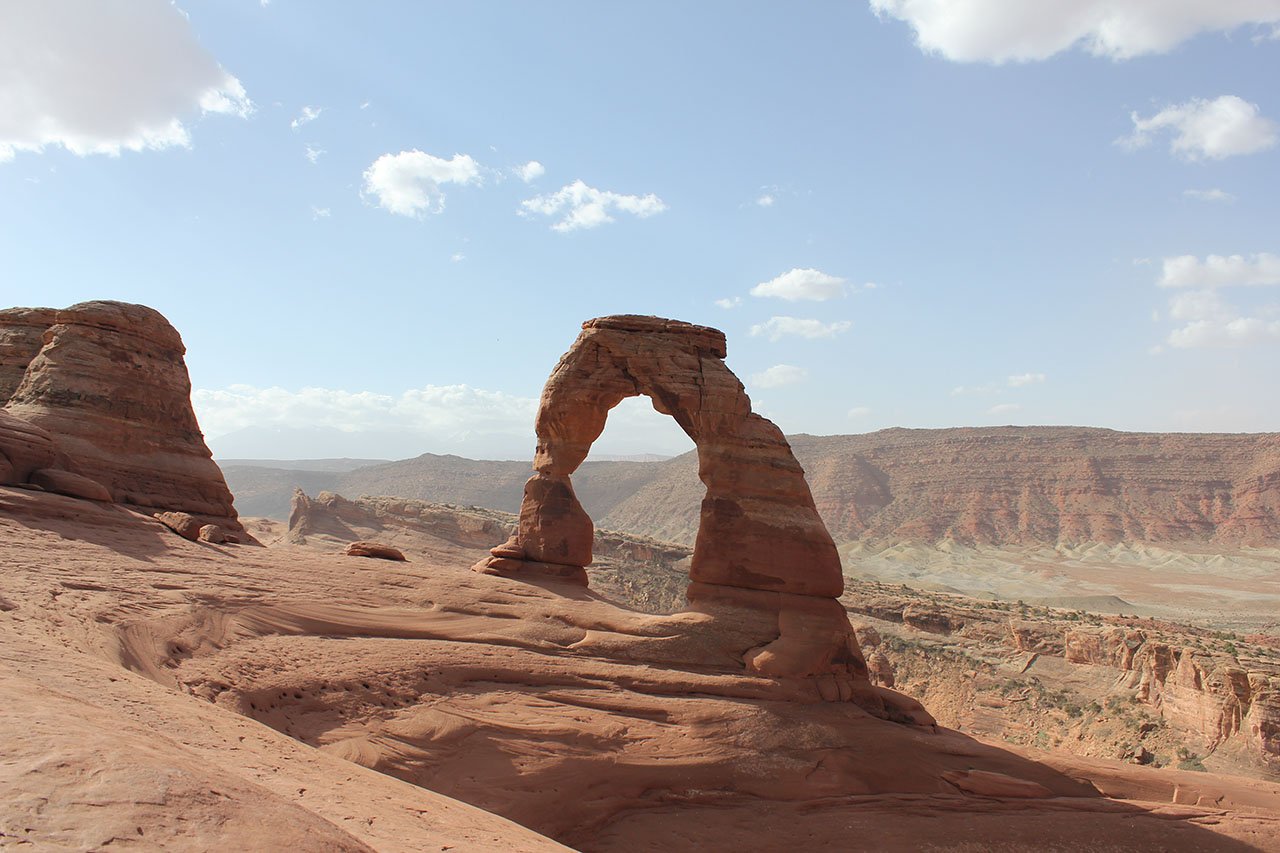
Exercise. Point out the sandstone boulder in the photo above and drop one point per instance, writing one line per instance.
(69, 484)
(377, 550)
(110, 385)
(182, 523)
(212, 533)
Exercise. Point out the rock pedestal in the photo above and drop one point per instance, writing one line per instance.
(761, 545)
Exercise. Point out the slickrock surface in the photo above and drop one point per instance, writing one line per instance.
(182, 694)
(109, 383)
(761, 546)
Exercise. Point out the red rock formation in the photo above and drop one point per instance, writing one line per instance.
(761, 546)
(21, 337)
(1013, 485)
(110, 385)
(377, 550)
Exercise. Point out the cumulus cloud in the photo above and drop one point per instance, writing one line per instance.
(1220, 270)
(312, 153)
(306, 116)
(1017, 30)
(1215, 195)
(765, 200)
(1020, 379)
(776, 328)
(409, 183)
(530, 171)
(797, 284)
(587, 207)
(105, 76)
(437, 418)
(1206, 318)
(319, 212)
(729, 302)
(778, 376)
(1227, 126)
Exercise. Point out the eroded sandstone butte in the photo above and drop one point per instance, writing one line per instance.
(762, 555)
(107, 381)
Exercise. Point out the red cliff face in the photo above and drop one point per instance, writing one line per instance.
(1016, 486)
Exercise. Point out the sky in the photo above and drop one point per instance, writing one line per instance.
(377, 226)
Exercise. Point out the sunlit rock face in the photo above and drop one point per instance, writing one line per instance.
(109, 384)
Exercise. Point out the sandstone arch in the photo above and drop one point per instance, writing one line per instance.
(761, 544)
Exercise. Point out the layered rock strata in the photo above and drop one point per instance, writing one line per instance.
(109, 384)
(761, 548)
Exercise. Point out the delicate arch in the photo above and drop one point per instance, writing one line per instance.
(760, 543)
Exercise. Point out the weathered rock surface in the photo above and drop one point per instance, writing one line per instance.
(72, 485)
(376, 550)
(25, 448)
(761, 545)
(109, 384)
(212, 534)
(184, 524)
(21, 337)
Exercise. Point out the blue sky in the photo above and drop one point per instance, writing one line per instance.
(951, 213)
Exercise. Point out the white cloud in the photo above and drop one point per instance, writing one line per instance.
(308, 115)
(409, 183)
(1236, 331)
(859, 412)
(1017, 30)
(98, 77)
(1020, 379)
(319, 213)
(729, 302)
(1206, 317)
(776, 328)
(1215, 194)
(1004, 408)
(457, 257)
(1221, 270)
(437, 418)
(588, 207)
(766, 200)
(1224, 127)
(778, 376)
(797, 284)
(312, 153)
(530, 171)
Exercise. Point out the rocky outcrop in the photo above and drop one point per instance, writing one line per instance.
(109, 384)
(376, 550)
(21, 337)
(761, 546)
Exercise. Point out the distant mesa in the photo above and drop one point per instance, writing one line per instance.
(97, 405)
(761, 546)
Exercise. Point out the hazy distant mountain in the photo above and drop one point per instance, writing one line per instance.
(993, 485)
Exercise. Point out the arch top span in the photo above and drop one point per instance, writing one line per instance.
(760, 544)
